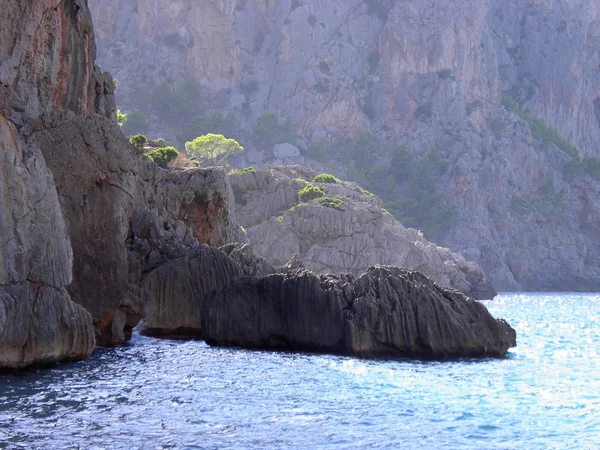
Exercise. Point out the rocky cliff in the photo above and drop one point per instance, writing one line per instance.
(73, 255)
(425, 74)
(347, 230)
(386, 312)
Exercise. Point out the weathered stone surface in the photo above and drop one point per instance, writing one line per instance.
(109, 196)
(38, 321)
(47, 54)
(386, 312)
(425, 73)
(83, 219)
(350, 238)
(175, 292)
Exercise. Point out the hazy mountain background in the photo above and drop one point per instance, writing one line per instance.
(476, 121)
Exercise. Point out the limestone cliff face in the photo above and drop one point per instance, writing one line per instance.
(74, 252)
(348, 238)
(47, 55)
(547, 50)
(38, 320)
(425, 73)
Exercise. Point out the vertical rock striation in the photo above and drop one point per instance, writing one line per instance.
(385, 312)
(425, 73)
(71, 265)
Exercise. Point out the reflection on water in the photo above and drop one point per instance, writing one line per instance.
(172, 394)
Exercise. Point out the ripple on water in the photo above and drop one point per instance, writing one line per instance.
(164, 394)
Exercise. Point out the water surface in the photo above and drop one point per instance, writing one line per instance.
(167, 394)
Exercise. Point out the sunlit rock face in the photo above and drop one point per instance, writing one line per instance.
(348, 238)
(421, 73)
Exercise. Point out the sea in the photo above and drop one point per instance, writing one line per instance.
(161, 394)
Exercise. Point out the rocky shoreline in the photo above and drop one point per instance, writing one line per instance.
(93, 238)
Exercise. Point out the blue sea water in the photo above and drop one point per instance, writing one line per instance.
(167, 394)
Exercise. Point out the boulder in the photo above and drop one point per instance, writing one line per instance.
(286, 151)
(386, 312)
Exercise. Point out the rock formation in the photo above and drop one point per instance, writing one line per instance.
(347, 238)
(83, 219)
(92, 235)
(425, 73)
(386, 312)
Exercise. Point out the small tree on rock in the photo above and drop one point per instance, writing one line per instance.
(138, 141)
(212, 149)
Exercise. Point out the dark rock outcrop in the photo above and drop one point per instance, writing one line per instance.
(386, 312)
(176, 291)
(126, 217)
(72, 191)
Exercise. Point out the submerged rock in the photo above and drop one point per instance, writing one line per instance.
(386, 312)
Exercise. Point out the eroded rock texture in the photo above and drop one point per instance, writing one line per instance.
(127, 217)
(425, 73)
(83, 219)
(385, 312)
(349, 238)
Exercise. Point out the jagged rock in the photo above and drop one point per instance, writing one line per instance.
(425, 73)
(384, 312)
(348, 238)
(105, 189)
(84, 220)
(35, 63)
(175, 292)
(251, 265)
(38, 321)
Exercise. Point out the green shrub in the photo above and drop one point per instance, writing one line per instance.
(326, 178)
(473, 106)
(591, 166)
(318, 150)
(243, 229)
(367, 193)
(121, 118)
(280, 219)
(310, 192)
(324, 67)
(248, 169)
(212, 149)
(424, 111)
(270, 130)
(135, 123)
(539, 129)
(321, 86)
(402, 159)
(329, 202)
(138, 141)
(162, 156)
(377, 8)
(497, 127)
